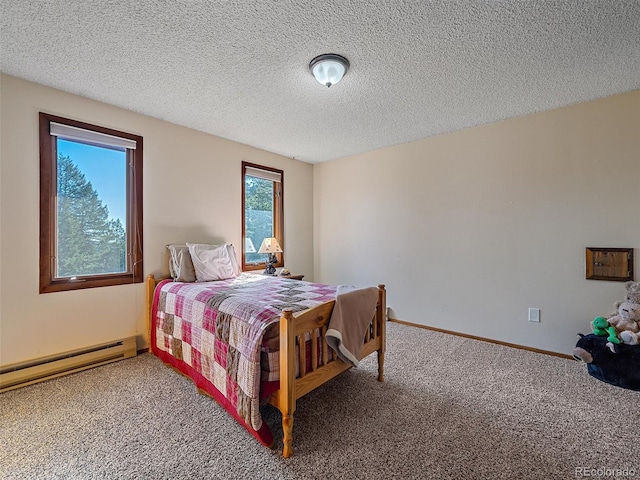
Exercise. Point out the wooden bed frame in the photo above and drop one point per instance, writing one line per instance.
(308, 323)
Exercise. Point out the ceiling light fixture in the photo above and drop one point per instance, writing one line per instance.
(329, 68)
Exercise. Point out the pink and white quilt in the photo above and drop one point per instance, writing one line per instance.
(214, 331)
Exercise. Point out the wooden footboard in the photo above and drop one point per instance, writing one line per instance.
(150, 285)
(313, 323)
(294, 329)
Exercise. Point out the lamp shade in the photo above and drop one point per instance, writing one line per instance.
(270, 245)
(328, 69)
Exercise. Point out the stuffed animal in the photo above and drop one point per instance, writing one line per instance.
(591, 349)
(606, 357)
(627, 317)
(601, 328)
(630, 338)
(633, 292)
(621, 368)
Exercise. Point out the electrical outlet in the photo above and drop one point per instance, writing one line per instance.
(534, 315)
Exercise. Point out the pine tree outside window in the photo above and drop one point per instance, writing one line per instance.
(90, 205)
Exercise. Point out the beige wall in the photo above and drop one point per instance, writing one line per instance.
(476, 226)
(192, 191)
(469, 229)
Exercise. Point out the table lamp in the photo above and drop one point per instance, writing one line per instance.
(270, 246)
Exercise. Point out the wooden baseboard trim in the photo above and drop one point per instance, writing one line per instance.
(483, 339)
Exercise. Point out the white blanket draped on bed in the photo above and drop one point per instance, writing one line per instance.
(352, 314)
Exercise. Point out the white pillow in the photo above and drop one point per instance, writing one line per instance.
(211, 262)
(180, 264)
(234, 260)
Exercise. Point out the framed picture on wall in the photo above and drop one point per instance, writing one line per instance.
(615, 264)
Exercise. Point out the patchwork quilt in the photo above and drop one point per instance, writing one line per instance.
(214, 331)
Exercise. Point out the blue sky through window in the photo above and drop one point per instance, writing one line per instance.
(105, 169)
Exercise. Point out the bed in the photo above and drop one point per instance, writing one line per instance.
(240, 339)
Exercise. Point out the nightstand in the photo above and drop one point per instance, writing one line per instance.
(292, 277)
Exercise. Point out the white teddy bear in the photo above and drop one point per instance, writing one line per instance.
(627, 319)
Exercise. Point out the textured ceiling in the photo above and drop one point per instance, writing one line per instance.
(238, 69)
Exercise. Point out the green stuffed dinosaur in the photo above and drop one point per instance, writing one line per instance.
(602, 328)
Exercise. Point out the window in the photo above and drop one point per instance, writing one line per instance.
(262, 213)
(90, 206)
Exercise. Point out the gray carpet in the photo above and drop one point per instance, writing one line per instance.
(450, 408)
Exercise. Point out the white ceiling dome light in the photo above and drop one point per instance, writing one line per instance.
(329, 68)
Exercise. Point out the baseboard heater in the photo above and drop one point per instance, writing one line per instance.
(46, 368)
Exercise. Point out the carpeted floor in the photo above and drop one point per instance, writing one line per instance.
(450, 408)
